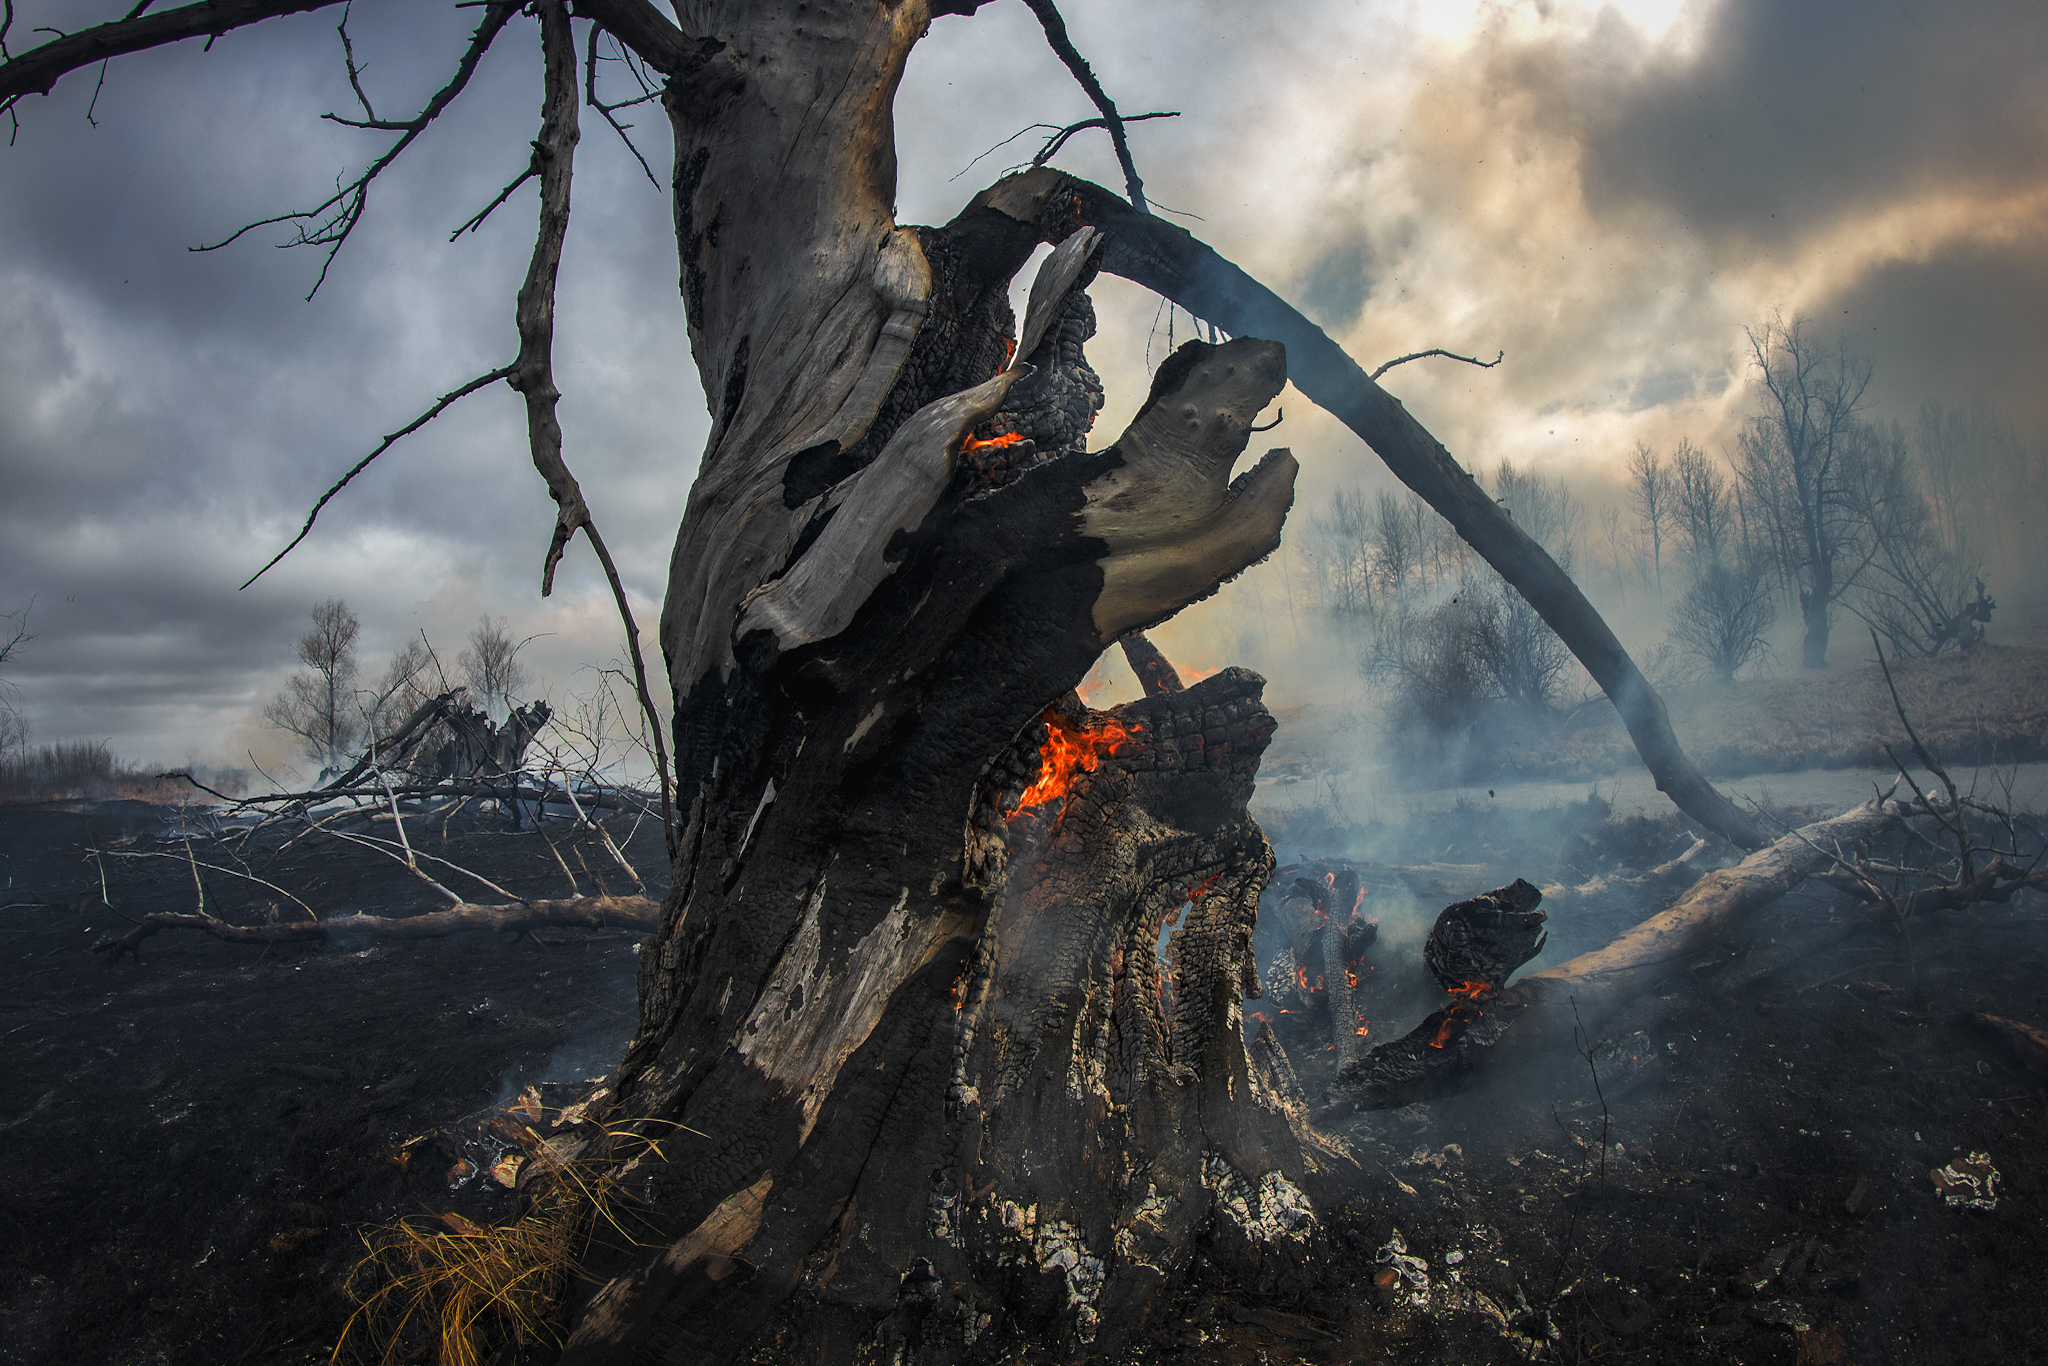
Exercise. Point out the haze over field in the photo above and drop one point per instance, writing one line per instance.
(1608, 193)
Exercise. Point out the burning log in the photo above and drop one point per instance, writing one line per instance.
(1471, 950)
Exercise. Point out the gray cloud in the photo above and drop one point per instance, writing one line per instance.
(1606, 205)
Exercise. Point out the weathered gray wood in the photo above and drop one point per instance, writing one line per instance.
(1175, 523)
(818, 597)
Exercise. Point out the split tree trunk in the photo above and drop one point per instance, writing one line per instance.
(944, 1096)
(949, 1094)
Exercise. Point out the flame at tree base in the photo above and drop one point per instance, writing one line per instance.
(1067, 754)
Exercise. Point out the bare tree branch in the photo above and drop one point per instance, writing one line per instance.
(1056, 34)
(1437, 351)
(555, 152)
(440, 405)
(334, 218)
(610, 110)
(38, 70)
(1060, 136)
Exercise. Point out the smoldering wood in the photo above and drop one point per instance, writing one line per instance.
(1155, 671)
(1470, 951)
(1483, 940)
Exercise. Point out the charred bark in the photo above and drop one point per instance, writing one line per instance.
(907, 986)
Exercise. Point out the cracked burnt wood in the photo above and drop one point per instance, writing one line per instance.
(939, 1033)
(937, 1094)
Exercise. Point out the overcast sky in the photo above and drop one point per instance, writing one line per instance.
(1606, 192)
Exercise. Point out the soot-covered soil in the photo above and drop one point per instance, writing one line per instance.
(194, 1141)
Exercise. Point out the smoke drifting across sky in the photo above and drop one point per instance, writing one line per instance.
(1606, 192)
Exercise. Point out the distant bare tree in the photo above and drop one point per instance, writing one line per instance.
(1543, 506)
(1924, 591)
(1397, 545)
(1703, 510)
(1796, 463)
(1723, 619)
(1649, 491)
(491, 667)
(318, 707)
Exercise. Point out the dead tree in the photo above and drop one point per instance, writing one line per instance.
(905, 983)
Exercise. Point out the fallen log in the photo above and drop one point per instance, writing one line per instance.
(1481, 1021)
(583, 912)
(1607, 977)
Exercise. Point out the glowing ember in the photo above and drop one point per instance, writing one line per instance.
(994, 443)
(1067, 754)
(1443, 1031)
(1468, 993)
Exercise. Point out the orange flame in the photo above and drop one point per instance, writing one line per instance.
(1352, 978)
(1443, 1031)
(1363, 1029)
(975, 443)
(1467, 993)
(1066, 754)
(1301, 975)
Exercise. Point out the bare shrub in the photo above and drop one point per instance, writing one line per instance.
(1724, 618)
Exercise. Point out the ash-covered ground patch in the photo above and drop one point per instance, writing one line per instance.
(193, 1140)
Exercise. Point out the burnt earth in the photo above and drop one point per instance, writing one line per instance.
(192, 1142)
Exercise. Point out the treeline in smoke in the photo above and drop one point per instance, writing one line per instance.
(1819, 515)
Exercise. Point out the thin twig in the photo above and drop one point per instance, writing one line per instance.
(477, 220)
(440, 405)
(1056, 35)
(1438, 351)
(609, 110)
(334, 218)
(1060, 136)
(211, 868)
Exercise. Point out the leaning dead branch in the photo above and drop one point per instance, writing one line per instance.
(587, 912)
(534, 376)
(1171, 262)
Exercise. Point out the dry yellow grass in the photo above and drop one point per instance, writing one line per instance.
(462, 1290)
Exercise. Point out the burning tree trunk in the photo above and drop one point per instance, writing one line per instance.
(939, 1087)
